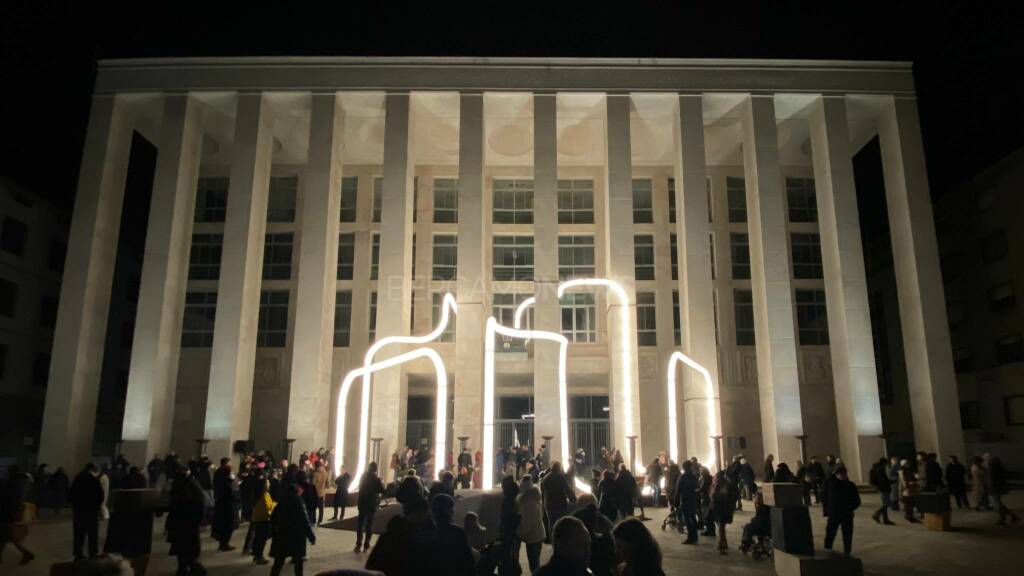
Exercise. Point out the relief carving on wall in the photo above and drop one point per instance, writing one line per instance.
(265, 374)
(817, 366)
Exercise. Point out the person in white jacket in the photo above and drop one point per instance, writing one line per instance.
(531, 521)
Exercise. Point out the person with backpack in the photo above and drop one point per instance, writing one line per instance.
(724, 496)
(879, 478)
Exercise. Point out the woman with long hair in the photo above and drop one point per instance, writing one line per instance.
(636, 551)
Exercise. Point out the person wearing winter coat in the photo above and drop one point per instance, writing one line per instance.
(320, 480)
(225, 506)
(627, 489)
(956, 480)
(653, 480)
(86, 496)
(341, 484)
(686, 501)
(607, 492)
(705, 521)
(909, 488)
(893, 471)
(557, 494)
(531, 520)
(998, 486)
(724, 495)
(979, 484)
(290, 527)
(184, 519)
(839, 499)
(879, 478)
(262, 509)
(769, 469)
(13, 524)
(370, 489)
(57, 486)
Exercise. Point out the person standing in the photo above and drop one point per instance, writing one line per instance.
(839, 500)
(225, 506)
(262, 510)
(654, 475)
(154, 469)
(686, 501)
(639, 553)
(816, 474)
(879, 478)
(58, 487)
(558, 494)
(320, 481)
(104, 479)
(370, 489)
(909, 488)
(86, 497)
(626, 493)
(13, 524)
(341, 484)
(724, 495)
(608, 493)
(453, 548)
(705, 521)
(769, 468)
(184, 519)
(956, 479)
(979, 484)
(997, 488)
(893, 472)
(570, 550)
(531, 521)
(290, 526)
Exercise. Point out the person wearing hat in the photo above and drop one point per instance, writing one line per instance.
(839, 498)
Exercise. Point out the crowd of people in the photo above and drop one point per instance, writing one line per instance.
(281, 503)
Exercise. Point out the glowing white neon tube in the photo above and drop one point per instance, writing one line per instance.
(448, 305)
(709, 397)
(627, 353)
(365, 371)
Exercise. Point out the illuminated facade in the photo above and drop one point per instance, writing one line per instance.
(306, 211)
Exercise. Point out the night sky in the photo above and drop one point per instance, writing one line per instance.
(970, 86)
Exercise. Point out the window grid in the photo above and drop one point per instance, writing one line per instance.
(281, 199)
(736, 191)
(197, 322)
(579, 322)
(446, 257)
(346, 256)
(446, 201)
(674, 255)
(513, 258)
(646, 319)
(375, 256)
(672, 200)
(812, 317)
(643, 256)
(342, 318)
(211, 199)
(277, 256)
(503, 307)
(349, 198)
(740, 250)
(273, 319)
(743, 303)
(204, 256)
(711, 247)
(806, 250)
(513, 202)
(677, 320)
(575, 257)
(803, 206)
(373, 316)
(378, 196)
(575, 201)
(643, 205)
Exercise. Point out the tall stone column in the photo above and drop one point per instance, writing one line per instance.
(469, 323)
(770, 278)
(934, 403)
(153, 377)
(622, 347)
(702, 415)
(846, 290)
(229, 398)
(546, 420)
(69, 413)
(394, 293)
(309, 395)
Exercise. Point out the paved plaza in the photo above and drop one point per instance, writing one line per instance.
(974, 546)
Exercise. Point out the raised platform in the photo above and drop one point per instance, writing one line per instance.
(830, 564)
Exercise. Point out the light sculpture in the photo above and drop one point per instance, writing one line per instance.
(448, 305)
(709, 396)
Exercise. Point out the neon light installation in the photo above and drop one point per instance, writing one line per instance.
(709, 396)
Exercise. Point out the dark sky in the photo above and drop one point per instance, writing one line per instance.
(970, 86)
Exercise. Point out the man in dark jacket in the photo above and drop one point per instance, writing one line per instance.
(998, 486)
(86, 496)
(225, 505)
(626, 496)
(154, 469)
(570, 549)
(686, 501)
(816, 474)
(956, 479)
(370, 489)
(134, 480)
(341, 484)
(769, 468)
(839, 499)
(879, 478)
(558, 494)
(453, 547)
(290, 526)
(184, 518)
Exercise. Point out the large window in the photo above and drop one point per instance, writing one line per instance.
(711, 249)
(672, 200)
(677, 319)
(736, 191)
(643, 256)
(211, 200)
(277, 257)
(812, 317)
(373, 316)
(342, 318)
(204, 257)
(806, 256)
(273, 319)
(436, 309)
(197, 323)
(446, 257)
(504, 310)
(13, 236)
(281, 200)
(579, 321)
(346, 256)
(349, 198)
(643, 205)
(513, 202)
(8, 297)
(803, 207)
(513, 257)
(378, 197)
(646, 319)
(575, 201)
(740, 250)
(743, 302)
(575, 257)
(673, 255)
(1009, 349)
(446, 200)
(375, 256)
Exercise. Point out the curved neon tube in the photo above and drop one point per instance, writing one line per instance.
(627, 381)
(709, 396)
